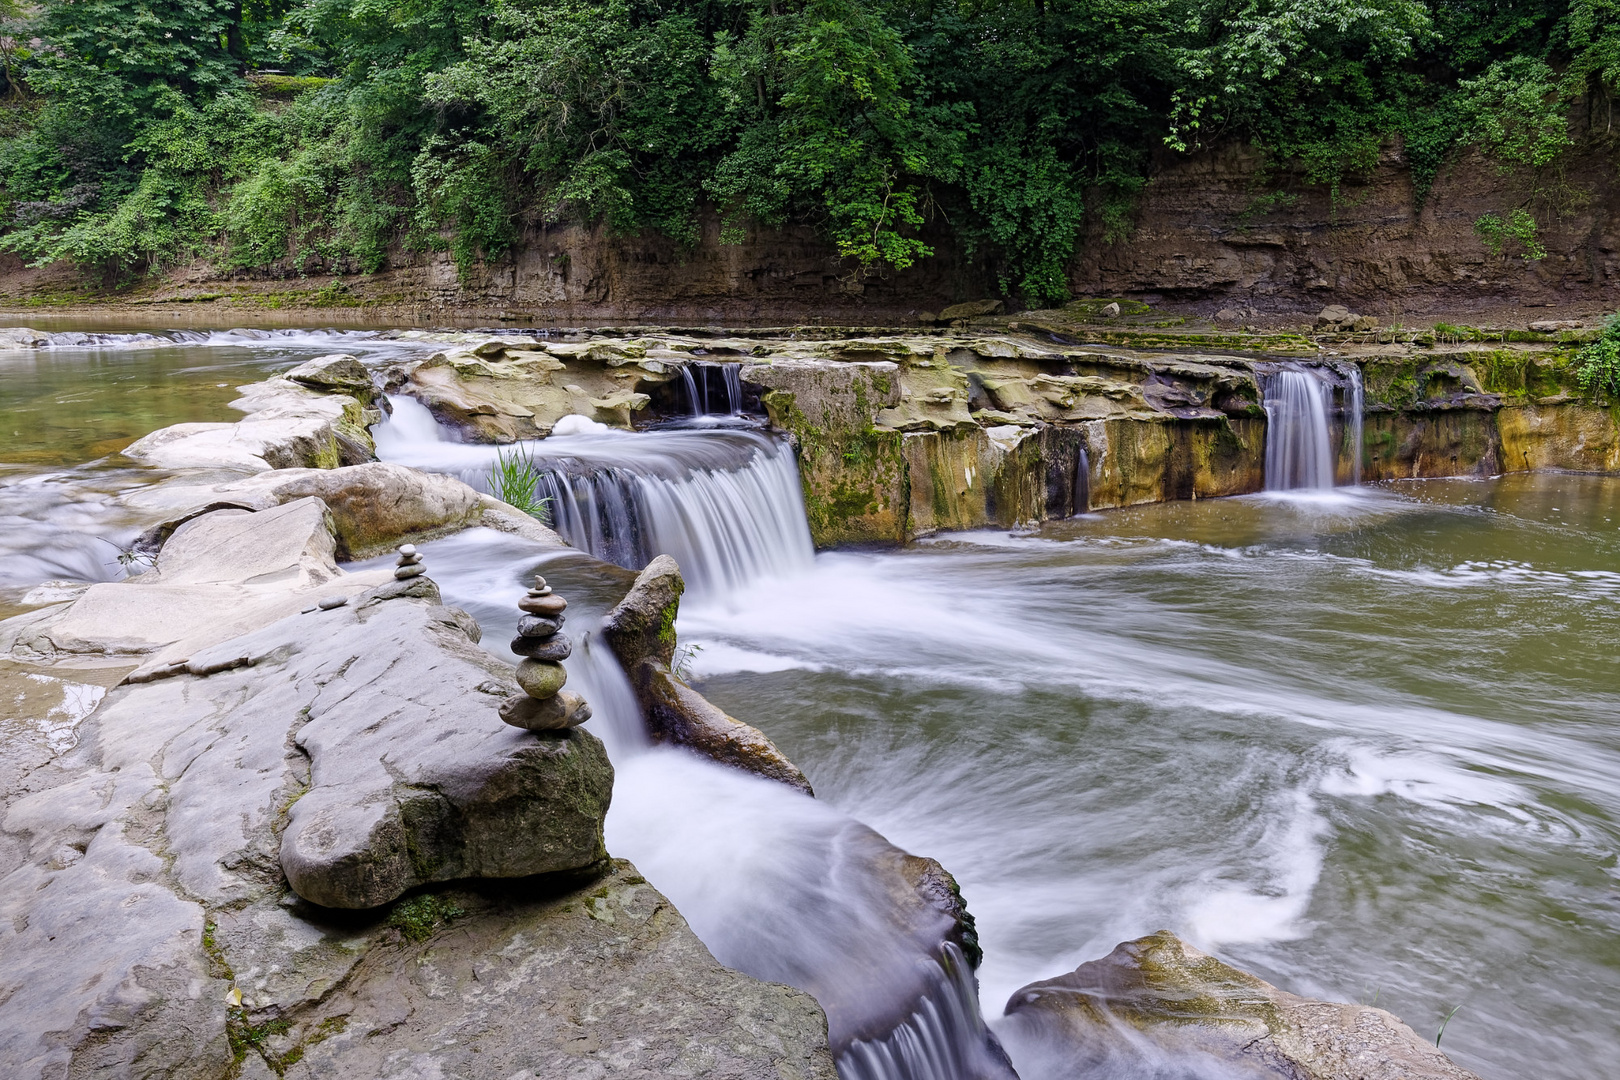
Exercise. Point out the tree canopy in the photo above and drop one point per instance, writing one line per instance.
(323, 134)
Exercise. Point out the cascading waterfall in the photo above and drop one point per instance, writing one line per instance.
(945, 1036)
(1357, 406)
(1299, 452)
(723, 500)
(1082, 481)
(698, 380)
(1299, 445)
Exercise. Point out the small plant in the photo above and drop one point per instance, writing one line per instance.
(514, 480)
(684, 656)
(1443, 1024)
(419, 916)
(131, 556)
(1497, 233)
(1597, 366)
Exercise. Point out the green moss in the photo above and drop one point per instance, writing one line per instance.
(418, 916)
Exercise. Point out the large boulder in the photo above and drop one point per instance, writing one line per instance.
(603, 981)
(337, 372)
(1159, 994)
(641, 633)
(972, 309)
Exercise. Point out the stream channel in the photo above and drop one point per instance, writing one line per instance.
(1363, 742)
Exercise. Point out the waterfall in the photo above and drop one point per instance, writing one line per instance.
(1082, 481)
(723, 500)
(944, 1038)
(698, 379)
(1299, 452)
(1355, 409)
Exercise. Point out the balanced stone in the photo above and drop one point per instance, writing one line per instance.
(409, 560)
(407, 549)
(541, 678)
(554, 648)
(564, 710)
(535, 626)
(403, 572)
(550, 606)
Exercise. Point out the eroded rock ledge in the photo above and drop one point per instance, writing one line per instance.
(158, 863)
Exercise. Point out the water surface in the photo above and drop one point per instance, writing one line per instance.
(1367, 745)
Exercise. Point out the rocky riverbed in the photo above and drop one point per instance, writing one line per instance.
(262, 815)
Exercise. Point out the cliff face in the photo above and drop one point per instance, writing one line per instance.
(1206, 231)
(1212, 230)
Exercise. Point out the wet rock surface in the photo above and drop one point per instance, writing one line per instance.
(1158, 998)
(641, 633)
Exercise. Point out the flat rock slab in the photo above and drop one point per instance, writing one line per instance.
(374, 506)
(605, 981)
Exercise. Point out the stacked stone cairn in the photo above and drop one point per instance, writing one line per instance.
(543, 646)
(410, 563)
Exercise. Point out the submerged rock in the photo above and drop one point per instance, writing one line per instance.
(641, 633)
(1158, 998)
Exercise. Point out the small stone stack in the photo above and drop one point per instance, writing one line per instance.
(543, 646)
(410, 563)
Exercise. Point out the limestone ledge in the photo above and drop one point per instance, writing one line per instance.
(901, 434)
(289, 424)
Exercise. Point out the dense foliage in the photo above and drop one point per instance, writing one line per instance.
(322, 134)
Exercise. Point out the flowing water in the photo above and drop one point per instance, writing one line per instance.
(1365, 742)
(722, 498)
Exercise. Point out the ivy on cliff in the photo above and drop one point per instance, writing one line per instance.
(140, 133)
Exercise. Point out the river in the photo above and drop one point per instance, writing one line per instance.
(1363, 743)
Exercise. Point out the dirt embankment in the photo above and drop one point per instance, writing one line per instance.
(1211, 231)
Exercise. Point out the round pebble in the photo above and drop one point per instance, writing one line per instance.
(407, 549)
(550, 606)
(554, 648)
(541, 678)
(404, 572)
(409, 560)
(327, 603)
(538, 627)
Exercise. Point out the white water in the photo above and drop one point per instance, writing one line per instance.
(1299, 445)
(723, 499)
(702, 395)
(1299, 453)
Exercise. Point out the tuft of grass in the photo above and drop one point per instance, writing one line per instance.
(1443, 1024)
(419, 916)
(515, 481)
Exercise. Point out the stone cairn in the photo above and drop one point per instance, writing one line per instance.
(543, 646)
(410, 563)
